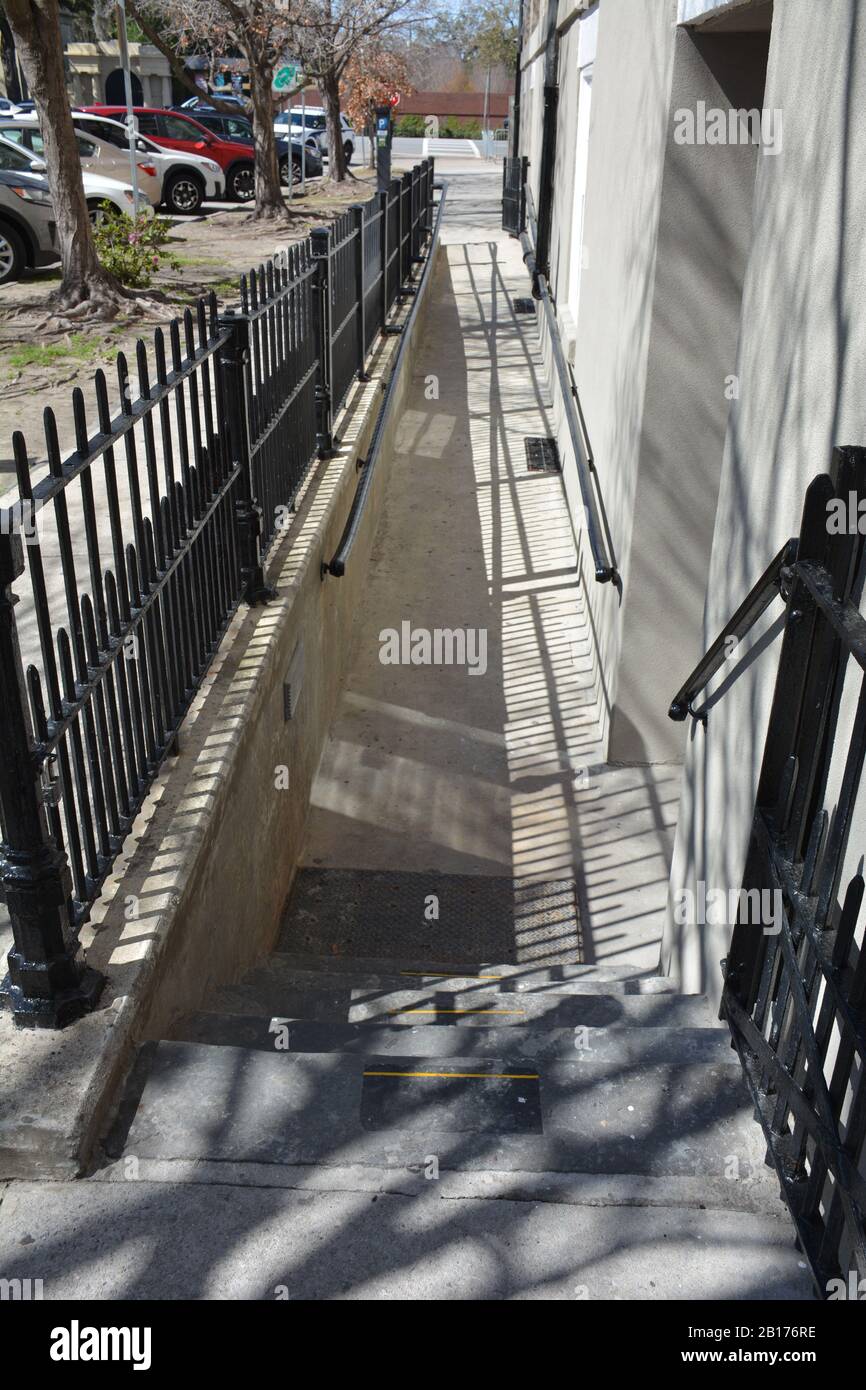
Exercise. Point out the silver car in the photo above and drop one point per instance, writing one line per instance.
(96, 157)
(28, 233)
(103, 196)
(184, 180)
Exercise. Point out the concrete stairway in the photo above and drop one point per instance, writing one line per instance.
(600, 1091)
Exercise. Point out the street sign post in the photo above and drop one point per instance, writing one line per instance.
(120, 13)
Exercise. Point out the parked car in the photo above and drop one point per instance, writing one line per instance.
(98, 190)
(184, 180)
(28, 232)
(192, 102)
(311, 120)
(96, 156)
(239, 127)
(175, 130)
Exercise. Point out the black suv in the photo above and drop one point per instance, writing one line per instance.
(239, 128)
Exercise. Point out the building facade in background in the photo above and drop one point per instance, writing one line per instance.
(707, 166)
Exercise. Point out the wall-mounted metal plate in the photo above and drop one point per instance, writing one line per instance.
(524, 306)
(542, 455)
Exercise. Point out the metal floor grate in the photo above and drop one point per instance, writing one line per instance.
(524, 306)
(357, 912)
(542, 455)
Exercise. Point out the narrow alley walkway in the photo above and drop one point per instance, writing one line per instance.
(484, 788)
(459, 1076)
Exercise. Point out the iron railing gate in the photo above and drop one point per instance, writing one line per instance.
(794, 997)
(514, 194)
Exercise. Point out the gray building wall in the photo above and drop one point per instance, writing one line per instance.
(801, 367)
(719, 354)
(703, 239)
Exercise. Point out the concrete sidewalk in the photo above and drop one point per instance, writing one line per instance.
(236, 1171)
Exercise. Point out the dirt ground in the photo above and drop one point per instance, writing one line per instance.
(40, 365)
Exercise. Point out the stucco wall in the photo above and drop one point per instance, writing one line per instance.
(801, 368)
(705, 224)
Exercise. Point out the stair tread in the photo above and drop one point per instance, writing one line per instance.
(282, 967)
(275, 990)
(304, 1035)
(233, 1104)
(388, 966)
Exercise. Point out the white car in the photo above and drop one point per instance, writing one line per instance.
(96, 156)
(97, 189)
(181, 181)
(185, 179)
(311, 121)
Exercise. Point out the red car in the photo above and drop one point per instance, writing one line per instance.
(178, 131)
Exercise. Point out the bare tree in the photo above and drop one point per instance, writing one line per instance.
(261, 31)
(85, 286)
(328, 33)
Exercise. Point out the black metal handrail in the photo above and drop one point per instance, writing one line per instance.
(772, 582)
(597, 530)
(337, 566)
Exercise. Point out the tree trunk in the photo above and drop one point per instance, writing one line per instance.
(269, 194)
(330, 84)
(36, 28)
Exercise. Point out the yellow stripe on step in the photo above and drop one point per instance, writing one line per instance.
(465, 1075)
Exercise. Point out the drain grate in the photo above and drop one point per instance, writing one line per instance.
(524, 306)
(366, 912)
(542, 455)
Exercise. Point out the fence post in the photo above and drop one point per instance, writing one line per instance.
(357, 211)
(320, 251)
(395, 195)
(431, 202)
(383, 223)
(47, 986)
(417, 214)
(233, 359)
(406, 232)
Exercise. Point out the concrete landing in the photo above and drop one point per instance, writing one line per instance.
(143, 1240)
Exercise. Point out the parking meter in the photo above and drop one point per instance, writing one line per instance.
(383, 148)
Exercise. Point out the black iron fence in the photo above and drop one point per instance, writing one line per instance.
(141, 543)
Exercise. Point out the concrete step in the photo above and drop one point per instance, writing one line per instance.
(507, 982)
(626, 1047)
(277, 990)
(449, 970)
(590, 1115)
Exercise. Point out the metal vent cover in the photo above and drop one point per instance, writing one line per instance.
(542, 454)
(524, 306)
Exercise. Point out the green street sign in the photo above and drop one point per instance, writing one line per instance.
(287, 77)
